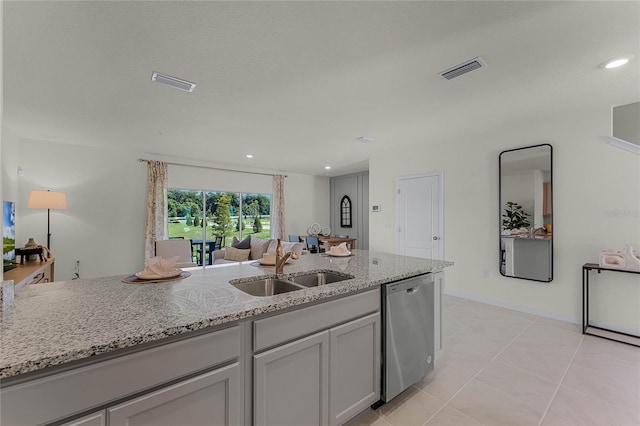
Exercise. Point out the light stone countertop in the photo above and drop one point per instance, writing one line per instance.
(54, 323)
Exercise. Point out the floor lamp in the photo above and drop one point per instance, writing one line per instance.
(47, 200)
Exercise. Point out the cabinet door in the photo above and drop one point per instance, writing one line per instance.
(209, 399)
(95, 419)
(291, 383)
(354, 366)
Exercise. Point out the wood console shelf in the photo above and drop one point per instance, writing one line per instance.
(31, 272)
(609, 334)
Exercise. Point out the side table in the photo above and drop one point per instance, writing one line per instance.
(31, 272)
(586, 268)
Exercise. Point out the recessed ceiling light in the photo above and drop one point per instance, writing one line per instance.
(616, 62)
(327, 167)
(365, 139)
(176, 83)
(249, 155)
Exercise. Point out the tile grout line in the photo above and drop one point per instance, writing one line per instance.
(476, 375)
(566, 370)
(527, 371)
(615, 358)
(601, 399)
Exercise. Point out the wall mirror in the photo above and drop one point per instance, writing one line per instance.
(526, 213)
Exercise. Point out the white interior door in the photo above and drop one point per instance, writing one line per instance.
(419, 220)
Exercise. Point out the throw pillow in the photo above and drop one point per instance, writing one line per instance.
(244, 244)
(239, 255)
(258, 247)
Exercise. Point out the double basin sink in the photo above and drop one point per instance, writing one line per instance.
(271, 286)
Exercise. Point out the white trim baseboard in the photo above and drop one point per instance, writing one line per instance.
(515, 307)
(539, 312)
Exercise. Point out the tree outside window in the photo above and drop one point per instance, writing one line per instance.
(228, 214)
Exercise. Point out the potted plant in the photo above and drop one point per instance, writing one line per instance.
(514, 217)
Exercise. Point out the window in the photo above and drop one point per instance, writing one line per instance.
(345, 212)
(194, 214)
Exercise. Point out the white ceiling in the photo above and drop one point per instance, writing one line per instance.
(294, 83)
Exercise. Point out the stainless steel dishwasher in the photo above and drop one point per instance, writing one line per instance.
(408, 337)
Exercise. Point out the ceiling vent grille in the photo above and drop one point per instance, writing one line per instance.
(466, 67)
(177, 83)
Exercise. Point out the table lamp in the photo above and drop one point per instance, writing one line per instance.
(47, 200)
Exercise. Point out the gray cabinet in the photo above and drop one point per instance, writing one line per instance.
(95, 419)
(211, 398)
(66, 394)
(354, 366)
(322, 363)
(291, 383)
(318, 365)
(322, 379)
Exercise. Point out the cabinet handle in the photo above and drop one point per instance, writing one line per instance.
(37, 278)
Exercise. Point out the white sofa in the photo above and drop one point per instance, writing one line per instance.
(258, 246)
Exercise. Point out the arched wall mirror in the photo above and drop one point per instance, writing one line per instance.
(526, 213)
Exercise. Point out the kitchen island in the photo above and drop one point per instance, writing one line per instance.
(65, 326)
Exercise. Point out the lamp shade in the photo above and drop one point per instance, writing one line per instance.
(47, 200)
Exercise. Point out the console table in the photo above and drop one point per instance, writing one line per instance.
(31, 272)
(586, 268)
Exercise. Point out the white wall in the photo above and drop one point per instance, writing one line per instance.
(306, 202)
(8, 175)
(106, 193)
(9, 160)
(103, 227)
(596, 206)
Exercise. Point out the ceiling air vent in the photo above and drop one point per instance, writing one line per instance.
(177, 83)
(463, 68)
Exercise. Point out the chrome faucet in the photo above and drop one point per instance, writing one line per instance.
(281, 258)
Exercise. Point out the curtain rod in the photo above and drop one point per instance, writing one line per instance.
(211, 168)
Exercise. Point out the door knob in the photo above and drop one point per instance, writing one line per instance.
(436, 238)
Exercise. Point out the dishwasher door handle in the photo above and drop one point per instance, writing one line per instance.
(412, 290)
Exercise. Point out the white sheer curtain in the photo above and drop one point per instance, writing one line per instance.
(156, 221)
(277, 208)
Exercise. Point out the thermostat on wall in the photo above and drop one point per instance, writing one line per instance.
(375, 208)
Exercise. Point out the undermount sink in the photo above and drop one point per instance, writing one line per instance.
(267, 287)
(271, 286)
(319, 278)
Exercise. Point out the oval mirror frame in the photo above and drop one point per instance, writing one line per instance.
(525, 193)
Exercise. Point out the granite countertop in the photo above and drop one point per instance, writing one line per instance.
(54, 323)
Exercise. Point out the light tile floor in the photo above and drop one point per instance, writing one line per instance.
(507, 368)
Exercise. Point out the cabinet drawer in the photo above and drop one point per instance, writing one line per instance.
(64, 394)
(39, 277)
(285, 327)
(95, 419)
(209, 399)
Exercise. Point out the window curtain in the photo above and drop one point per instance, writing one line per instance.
(156, 221)
(277, 208)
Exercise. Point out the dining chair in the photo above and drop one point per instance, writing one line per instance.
(313, 245)
(176, 247)
(211, 247)
(218, 243)
(294, 239)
